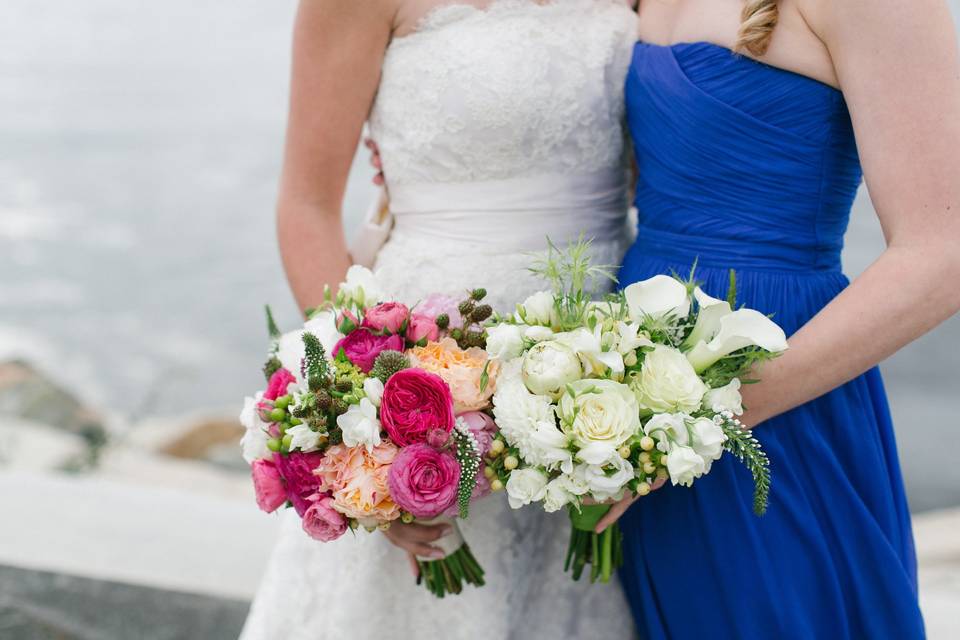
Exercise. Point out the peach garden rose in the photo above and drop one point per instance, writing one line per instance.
(461, 369)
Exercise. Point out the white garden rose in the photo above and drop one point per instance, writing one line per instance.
(657, 297)
(599, 412)
(539, 309)
(525, 486)
(360, 425)
(726, 398)
(740, 329)
(548, 366)
(505, 341)
(254, 441)
(557, 495)
(668, 429)
(303, 438)
(373, 389)
(684, 465)
(607, 481)
(361, 287)
(667, 382)
(707, 440)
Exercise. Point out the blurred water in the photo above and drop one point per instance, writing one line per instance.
(139, 150)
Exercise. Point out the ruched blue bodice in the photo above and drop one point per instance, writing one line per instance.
(746, 166)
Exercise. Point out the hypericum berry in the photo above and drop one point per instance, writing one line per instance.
(496, 485)
(646, 443)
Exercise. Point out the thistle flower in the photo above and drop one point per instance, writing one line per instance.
(388, 363)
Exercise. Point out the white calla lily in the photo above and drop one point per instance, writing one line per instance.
(657, 297)
(740, 329)
(711, 312)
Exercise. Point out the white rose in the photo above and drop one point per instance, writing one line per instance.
(303, 438)
(606, 482)
(360, 425)
(361, 287)
(740, 329)
(548, 366)
(254, 441)
(684, 465)
(525, 486)
(505, 341)
(373, 389)
(707, 440)
(726, 398)
(601, 412)
(538, 333)
(557, 495)
(668, 383)
(658, 297)
(667, 429)
(538, 309)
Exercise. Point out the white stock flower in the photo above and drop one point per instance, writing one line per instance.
(742, 328)
(360, 425)
(667, 382)
(525, 486)
(303, 438)
(373, 389)
(668, 428)
(707, 441)
(601, 412)
(505, 341)
(361, 287)
(684, 465)
(548, 366)
(607, 481)
(629, 338)
(551, 447)
(254, 441)
(539, 309)
(524, 419)
(726, 398)
(709, 315)
(657, 297)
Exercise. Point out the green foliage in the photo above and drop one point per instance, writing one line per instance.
(738, 364)
(741, 443)
(732, 290)
(314, 367)
(272, 327)
(271, 366)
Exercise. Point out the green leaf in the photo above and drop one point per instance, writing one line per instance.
(732, 290)
(485, 377)
(742, 444)
(272, 327)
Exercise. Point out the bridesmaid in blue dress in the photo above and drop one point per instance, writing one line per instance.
(754, 165)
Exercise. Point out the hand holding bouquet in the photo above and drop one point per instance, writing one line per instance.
(595, 399)
(373, 413)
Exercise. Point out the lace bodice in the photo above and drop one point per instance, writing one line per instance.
(511, 90)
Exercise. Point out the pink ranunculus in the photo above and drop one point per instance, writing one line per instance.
(268, 485)
(437, 304)
(423, 480)
(483, 428)
(389, 317)
(414, 403)
(321, 521)
(422, 327)
(278, 384)
(296, 469)
(363, 346)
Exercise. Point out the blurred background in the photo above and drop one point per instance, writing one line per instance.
(140, 146)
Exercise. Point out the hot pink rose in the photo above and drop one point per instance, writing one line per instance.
(321, 521)
(437, 304)
(415, 402)
(296, 469)
(363, 346)
(423, 480)
(268, 485)
(389, 317)
(483, 428)
(422, 327)
(278, 384)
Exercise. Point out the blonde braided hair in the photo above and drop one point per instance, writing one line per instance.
(757, 22)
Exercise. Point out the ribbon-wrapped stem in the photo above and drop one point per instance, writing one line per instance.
(602, 551)
(456, 568)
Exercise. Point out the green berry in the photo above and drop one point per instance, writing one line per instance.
(294, 421)
(283, 402)
(278, 415)
(273, 444)
(287, 441)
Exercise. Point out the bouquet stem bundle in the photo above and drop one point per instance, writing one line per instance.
(602, 551)
(449, 574)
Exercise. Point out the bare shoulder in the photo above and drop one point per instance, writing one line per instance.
(371, 12)
(894, 21)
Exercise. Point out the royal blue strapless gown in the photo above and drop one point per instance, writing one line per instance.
(746, 166)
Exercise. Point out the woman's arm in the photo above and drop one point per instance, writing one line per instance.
(338, 48)
(898, 66)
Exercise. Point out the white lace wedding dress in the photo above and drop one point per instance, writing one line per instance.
(497, 127)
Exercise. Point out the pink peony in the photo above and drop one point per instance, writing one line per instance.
(423, 480)
(296, 469)
(268, 485)
(414, 403)
(388, 317)
(278, 384)
(482, 427)
(437, 304)
(321, 521)
(363, 346)
(422, 327)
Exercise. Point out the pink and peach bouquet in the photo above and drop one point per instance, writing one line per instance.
(375, 412)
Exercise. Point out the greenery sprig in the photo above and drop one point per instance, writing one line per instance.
(742, 444)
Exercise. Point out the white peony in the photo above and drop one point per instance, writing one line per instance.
(657, 297)
(548, 366)
(505, 341)
(360, 425)
(667, 429)
(707, 440)
(361, 287)
(684, 465)
(373, 389)
(303, 438)
(254, 441)
(525, 486)
(607, 481)
(667, 382)
(539, 309)
(600, 412)
(725, 398)
(740, 329)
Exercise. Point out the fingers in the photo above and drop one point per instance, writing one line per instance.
(378, 179)
(414, 538)
(414, 565)
(658, 483)
(614, 514)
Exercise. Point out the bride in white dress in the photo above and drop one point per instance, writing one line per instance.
(498, 125)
